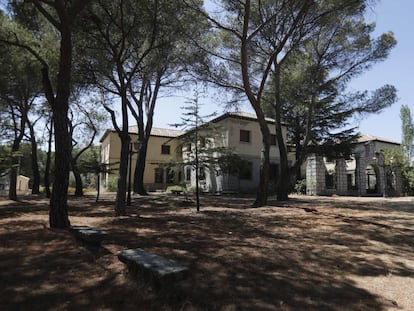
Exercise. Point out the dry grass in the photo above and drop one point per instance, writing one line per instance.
(309, 253)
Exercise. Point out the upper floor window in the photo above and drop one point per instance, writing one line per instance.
(273, 140)
(165, 149)
(245, 136)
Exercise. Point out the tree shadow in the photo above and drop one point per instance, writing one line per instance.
(240, 258)
(273, 260)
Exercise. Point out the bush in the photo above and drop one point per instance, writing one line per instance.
(300, 186)
(112, 184)
(176, 188)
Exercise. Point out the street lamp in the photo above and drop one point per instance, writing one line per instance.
(394, 178)
(132, 147)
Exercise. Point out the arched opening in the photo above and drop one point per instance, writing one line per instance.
(372, 180)
(330, 178)
(391, 182)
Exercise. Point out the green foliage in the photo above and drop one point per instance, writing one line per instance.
(89, 161)
(28, 30)
(309, 84)
(397, 159)
(408, 174)
(300, 186)
(181, 188)
(7, 159)
(231, 163)
(201, 144)
(407, 126)
(112, 184)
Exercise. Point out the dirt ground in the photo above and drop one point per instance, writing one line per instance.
(309, 253)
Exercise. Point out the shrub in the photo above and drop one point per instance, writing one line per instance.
(300, 186)
(112, 184)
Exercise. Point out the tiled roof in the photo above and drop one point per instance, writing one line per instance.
(156, 131)
(162, 132)
(247, 115)
(240, 115)
(366, 138)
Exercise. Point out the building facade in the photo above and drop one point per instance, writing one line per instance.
(169, 151)
(365, 173)
(162, 149)
(240, 134)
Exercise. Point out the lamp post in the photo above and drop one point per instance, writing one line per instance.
(132, 147)
(393, 177)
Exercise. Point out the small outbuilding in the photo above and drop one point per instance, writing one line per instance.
(365, 173)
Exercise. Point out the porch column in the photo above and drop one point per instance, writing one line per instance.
(315, 175)
(360, 178)
(341, 180)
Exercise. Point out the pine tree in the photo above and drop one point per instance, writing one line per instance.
(407, 127)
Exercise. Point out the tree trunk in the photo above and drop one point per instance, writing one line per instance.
(298, 152)
(13, 171)
(35, 164)
(98, 187)
(13, 184)
(15, 148)
(283, 184)
(262, 192)
(78, 178)
(197, 168)
(122, 176)
(261, 195)
(58, 213)
(139, 186)
(48, 161)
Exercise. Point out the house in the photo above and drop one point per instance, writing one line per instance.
(365, 173)
(22, 185)
(162, 147)
(237, 132)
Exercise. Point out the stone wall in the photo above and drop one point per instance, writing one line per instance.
(388, 179)
(315, 175)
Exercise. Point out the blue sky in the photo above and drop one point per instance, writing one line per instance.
(389, 15)
(398, 69)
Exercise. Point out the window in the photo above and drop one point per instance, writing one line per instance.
(330, 181)
(350, 179)
(245, 136)
(188, 173)
(201, 173)
(246, 171)
(159, 175)
(202, 141)
(165, 149)
(272, 140)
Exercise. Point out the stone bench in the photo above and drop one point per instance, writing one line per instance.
(158, 271)
(89, 235)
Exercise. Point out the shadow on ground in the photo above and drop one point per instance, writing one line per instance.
(303, 254)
